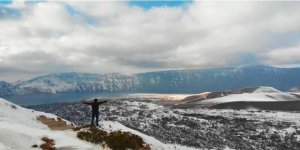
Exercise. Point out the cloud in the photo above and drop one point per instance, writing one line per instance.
(282, 56)
(93, 36)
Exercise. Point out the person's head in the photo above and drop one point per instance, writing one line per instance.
(95, 100)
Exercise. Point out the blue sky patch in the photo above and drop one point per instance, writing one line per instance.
(76, 13)
(151, 4)
(5, 2)
(9, 13)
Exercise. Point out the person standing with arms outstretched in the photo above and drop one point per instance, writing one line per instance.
(95, 109)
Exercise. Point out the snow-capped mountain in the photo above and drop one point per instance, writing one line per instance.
(10, 89)
(219, 79)
(177, 81)
(79, 82)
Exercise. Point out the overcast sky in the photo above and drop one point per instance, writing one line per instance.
(97, 36)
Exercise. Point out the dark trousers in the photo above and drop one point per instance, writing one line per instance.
(95, 114)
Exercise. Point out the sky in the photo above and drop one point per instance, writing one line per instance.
(45, 36)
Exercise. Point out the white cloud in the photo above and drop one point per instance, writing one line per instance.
(117, 37)
(282, 56)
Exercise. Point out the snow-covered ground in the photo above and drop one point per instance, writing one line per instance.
(167, 97)
(262, 94)
(292, 117)
(154, 143)
(20, 130)
(193, 127)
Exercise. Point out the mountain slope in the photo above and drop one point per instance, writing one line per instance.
(200, 128)
(25, 129)
(295, 90)
(239, 97)
(10, 89)
(79, 82)
(219, 79)
(177, 81)
(21, 129)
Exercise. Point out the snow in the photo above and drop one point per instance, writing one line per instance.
(238, 97)
(57, 85)
(4, 147)
(143, 105)
(81, 82)
(20, 129)
(298, 137)
(263, 94)
(168, 97)
(154, 143)
(265, 89)
(292, 117)
(227, 148)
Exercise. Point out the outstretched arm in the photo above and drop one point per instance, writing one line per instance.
(87, 103)
(102, 102)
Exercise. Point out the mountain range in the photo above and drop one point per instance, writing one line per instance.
(172, 81)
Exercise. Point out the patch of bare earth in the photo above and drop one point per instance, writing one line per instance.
(47, 145)
(54, 124)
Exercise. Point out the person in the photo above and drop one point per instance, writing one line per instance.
(95, 109)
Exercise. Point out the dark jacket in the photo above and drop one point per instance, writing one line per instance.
(95, 105)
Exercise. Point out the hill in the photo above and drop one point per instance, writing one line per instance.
(21, 128)
(265, 98)
(26, 129)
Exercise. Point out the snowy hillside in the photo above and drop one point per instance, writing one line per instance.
(155, 144)
(295, 90)
(260, 94)
(199, 128)
(79, 82)
(24, 129)
(251, 94)
(20, 129)
(10, 89)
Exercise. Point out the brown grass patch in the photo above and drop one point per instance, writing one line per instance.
(48, 145)
(116, 140)
(53, 124)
